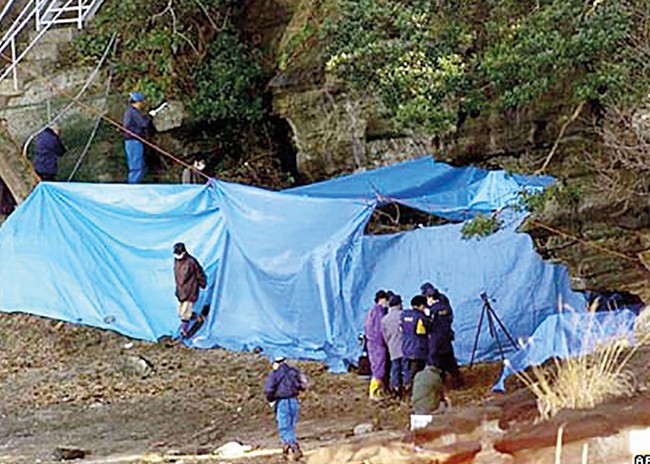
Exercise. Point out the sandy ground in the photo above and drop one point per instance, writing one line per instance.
(67, 385)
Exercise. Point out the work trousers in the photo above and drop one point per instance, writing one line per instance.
(185, 310)
(135, 160)
(377, 354)
(399, 373)
(286, 415)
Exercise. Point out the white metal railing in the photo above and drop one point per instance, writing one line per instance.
(43, 14)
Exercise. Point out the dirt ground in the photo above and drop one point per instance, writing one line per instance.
(73, 386)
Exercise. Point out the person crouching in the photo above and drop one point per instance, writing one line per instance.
(282, 387)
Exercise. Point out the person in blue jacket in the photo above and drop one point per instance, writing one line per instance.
(49, 149)
(441, 336)
(138, 123)
(415, 332)
(282, 387)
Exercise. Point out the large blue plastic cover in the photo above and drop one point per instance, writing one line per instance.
(431, 186)
(287, 273)
(569, 334)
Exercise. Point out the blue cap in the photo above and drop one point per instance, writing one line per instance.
(136, 96)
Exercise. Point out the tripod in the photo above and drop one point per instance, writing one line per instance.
(491, 318)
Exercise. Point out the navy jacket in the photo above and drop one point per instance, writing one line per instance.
(441, 334)
(137, 123)
(414, 345)
(283, 383)
(48, 149)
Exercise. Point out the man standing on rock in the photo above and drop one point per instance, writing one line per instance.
(48, 150)
(137, 124)
(282, 387)
(375, 344)
(189, 277)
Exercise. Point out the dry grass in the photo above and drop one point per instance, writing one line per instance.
(587, 380)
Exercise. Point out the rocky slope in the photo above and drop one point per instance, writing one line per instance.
(334, 133)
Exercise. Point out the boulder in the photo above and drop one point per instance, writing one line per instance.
(364, 429)
(67, 454)
(170, 117)
(137, 366)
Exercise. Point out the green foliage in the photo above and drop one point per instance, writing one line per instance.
(481, 226)
(563, 43)
(224, 82)
(180, 49)
(433, 60)
(296, 44)
(566, 196)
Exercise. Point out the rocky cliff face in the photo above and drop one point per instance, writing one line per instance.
(605, 246)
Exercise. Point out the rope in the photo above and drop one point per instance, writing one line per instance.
(584, 242)
(76, 98)
(91, 110)
(95, 129)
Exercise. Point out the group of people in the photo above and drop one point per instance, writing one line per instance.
(404, 342)
(138, 126)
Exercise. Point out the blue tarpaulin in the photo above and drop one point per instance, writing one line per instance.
(569, 334)
(286, 272)
(433, 187)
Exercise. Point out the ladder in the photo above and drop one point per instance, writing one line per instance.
(38, 15)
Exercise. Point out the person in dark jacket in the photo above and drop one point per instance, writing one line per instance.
(415, 331)
(282, 387)
(441, 336)
(375, 344)
(49, 149)
(189, 277)
(136, 123)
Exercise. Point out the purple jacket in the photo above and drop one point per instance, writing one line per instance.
(392, 330)
(48, 149)
(373, 324)
(282, 383)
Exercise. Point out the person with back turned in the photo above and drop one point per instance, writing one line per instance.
(414, 337)
(441, 336)
(49, 149)
(282, 387)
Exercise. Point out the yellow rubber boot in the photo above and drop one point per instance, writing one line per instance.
(374, 391)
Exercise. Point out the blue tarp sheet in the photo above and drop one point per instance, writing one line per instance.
(286, 272)
(568, 334)
(431, 186)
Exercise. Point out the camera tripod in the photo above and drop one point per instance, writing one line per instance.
(492, 320)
